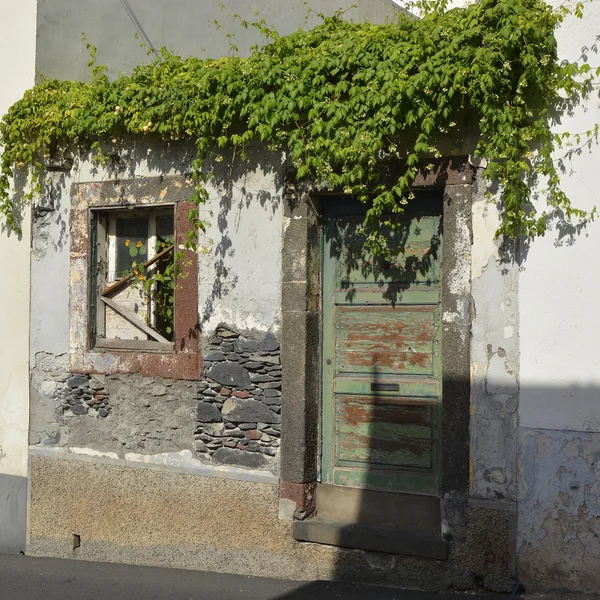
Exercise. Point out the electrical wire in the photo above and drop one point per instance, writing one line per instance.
(138, 26)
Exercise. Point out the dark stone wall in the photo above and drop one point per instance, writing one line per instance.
(239, 401)
(83, 395)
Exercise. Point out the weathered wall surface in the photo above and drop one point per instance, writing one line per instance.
(559, 411)
(559, 509)
(239, 280)
(480, 300)
(231, 418)
(187, 28)
(153, 418)
(109, 414)
(494, 357)
(17, 70)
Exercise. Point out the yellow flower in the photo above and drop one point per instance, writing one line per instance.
(127, 242)
(138, 243)
(163, 245)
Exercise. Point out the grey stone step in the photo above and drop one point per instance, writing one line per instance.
(377, 538)
(371, 507)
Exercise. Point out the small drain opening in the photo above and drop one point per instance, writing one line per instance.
(76, 541)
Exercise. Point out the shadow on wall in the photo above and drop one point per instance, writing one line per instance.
(557, 525)
(19, 209)
(234, 186)
(387, 442)
(555, 545)
(381, 419)
(238, 192)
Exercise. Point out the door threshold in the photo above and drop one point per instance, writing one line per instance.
(401, 511)
(377, 538)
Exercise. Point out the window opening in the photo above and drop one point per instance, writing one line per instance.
(131, 242)
(134, 273)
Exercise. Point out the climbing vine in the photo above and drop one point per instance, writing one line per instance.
(340, 99)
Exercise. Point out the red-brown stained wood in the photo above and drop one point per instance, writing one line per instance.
(393, 453)
(384, 430)
(186, 291)
(382, 339)
(394, 361)
(355, 410)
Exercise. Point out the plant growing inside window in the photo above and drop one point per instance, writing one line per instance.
(135, 271)
(157, 282)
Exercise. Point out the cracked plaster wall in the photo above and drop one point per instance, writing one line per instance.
(559, 509)
(239, 285)
(240, 271)
(494, 358)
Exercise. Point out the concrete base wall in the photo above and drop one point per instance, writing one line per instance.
(154, 517)
(177, 519)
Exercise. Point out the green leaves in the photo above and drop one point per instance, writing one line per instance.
(340, 98)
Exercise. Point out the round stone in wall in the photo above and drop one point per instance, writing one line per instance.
(238, 410)
(230, 374)
(208, 413)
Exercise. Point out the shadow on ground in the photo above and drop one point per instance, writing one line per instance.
(29, 578)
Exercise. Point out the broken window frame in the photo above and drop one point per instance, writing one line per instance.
(104, 281)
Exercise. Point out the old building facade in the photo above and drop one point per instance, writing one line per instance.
(310, 411)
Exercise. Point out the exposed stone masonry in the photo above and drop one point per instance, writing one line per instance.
(239, 402)
(82, 395)
(120, 414)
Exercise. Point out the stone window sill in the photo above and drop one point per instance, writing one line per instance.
(104, 345)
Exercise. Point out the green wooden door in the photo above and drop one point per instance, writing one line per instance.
(381, 356)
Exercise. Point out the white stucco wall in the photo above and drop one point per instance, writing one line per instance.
(559, 284)
(559, 408)
(17, 71)
(239, 279)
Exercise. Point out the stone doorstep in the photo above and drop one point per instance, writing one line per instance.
(375, 507)
(376, 538)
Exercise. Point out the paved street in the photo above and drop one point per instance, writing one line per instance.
(28, 578)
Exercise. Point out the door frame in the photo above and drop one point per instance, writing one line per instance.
(425, 483)
(301, 341)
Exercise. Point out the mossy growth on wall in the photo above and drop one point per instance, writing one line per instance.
(340, 99)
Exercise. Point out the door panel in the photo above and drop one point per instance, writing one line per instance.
(386, 432)
(369, 339)
(382, 355)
